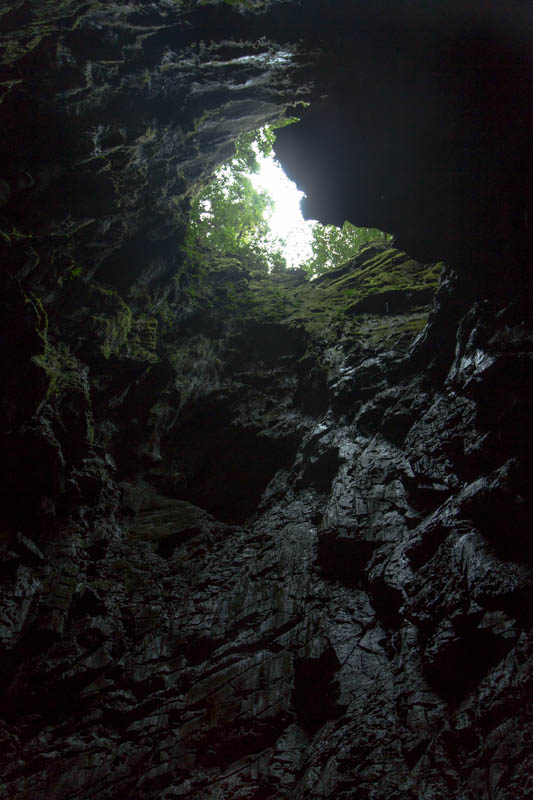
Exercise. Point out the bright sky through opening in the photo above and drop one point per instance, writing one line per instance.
(286, 221)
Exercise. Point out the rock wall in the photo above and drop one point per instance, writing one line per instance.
(262, 537)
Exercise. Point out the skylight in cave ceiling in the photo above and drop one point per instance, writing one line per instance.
(286, 222)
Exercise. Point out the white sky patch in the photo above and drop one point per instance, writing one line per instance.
(286, 222)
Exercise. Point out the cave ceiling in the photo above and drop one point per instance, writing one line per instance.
(420, 120)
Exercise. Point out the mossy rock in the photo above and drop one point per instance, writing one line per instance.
(141, 343)
(381, 296)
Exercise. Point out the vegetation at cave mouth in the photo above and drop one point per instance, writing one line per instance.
(231, 216)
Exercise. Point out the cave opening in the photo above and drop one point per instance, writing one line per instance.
(250, 209)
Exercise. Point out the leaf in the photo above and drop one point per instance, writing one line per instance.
(333, 246)
(230, 216)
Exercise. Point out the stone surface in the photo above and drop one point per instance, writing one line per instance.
(262, 537)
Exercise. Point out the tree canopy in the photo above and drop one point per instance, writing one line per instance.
(230, 216)
(333, 246)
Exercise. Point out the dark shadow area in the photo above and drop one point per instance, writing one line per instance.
(425, 132)
(316, 690)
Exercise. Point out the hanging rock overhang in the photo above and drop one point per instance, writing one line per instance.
(423, 129)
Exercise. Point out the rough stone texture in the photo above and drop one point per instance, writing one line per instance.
(262, 537)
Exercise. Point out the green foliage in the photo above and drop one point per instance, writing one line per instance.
(333, 246)
(248, 146)
(230, 216)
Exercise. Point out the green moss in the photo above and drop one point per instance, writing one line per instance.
(49, 360)
(63, 370)
(120, 332)
(61, 367)
(46, 19)
(15, 235)
(143, 338)
(371, 273)
(113, 329)
(397, 331)
(270, 301)
(166, 316)
(381, 296)
(223, 291)
(192, 354)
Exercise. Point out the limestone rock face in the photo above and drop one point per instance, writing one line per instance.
(263, 537)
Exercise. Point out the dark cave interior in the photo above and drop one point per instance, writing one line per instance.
(265, 537)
